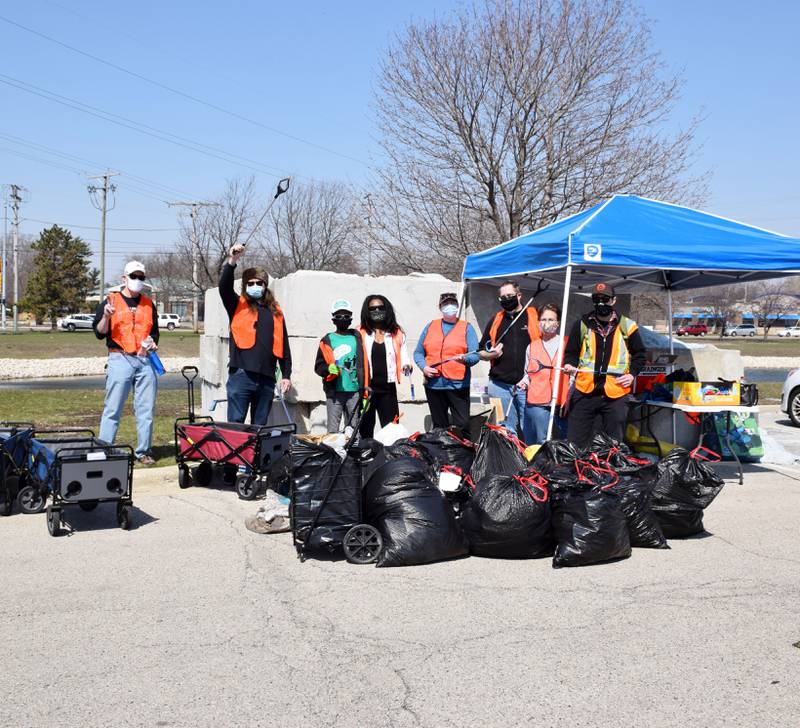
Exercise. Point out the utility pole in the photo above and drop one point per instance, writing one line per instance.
(194, 205)
(102, 205)
(4, 263)
(15, 201)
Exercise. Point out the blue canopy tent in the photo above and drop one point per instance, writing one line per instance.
(638, 244)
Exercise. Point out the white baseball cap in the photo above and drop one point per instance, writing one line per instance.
(133, 266)
(341, 304)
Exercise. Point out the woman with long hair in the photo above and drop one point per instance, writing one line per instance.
(385, 344)
(259, 343)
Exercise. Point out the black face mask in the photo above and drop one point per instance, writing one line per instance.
(603, 309)
(509, 303)
(377, 317)
(342, 323)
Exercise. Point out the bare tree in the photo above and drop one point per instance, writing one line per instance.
(771, 302)
(313, 227)
(721, 302)
(171, 275)
(506, 115)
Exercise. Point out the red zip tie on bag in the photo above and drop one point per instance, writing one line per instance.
(530, 484)
(507, 434)
(698, 454)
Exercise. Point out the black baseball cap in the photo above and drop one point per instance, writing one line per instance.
(445, 297)
(603, 289)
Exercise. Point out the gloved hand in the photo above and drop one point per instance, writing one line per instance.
(333, 369)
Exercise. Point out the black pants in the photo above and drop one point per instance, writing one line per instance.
(585, 408)
(383, 403)
(449, 407)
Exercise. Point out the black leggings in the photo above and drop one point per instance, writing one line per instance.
(383, 403)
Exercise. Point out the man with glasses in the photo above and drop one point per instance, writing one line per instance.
(518, 330)
(605, 352)
(128, 321)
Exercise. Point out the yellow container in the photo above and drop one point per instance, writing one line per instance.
(530, 451)
(709, 394)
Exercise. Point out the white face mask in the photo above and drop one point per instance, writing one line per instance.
(135, 285)
(548, 327)
(449, 311)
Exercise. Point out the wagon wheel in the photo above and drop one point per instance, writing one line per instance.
(87, 505)
(362, 544)
(203, 473)
(247, 486)
(53, 521)
(31, 499)
(184, 477)
(124, 517)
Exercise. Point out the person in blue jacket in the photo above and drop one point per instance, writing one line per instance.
(446, 350)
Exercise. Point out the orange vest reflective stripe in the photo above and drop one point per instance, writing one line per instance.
(618, 363)
(439, 347)
(243, 327)
(533, 325)
(129, 329)
(396, 341)
(540, 383)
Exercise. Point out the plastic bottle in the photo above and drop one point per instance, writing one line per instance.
(155, 362)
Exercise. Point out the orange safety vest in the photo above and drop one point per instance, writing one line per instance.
(533, 325)
(129, 329)
(439, 347)
(618, 364)
(540, 383)
(327, 353)
(396, 340)
(243, 327)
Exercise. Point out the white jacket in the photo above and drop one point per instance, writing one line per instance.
(393, 344)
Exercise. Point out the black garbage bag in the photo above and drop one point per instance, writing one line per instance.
(413, 516)
(685, 487)
(508, 517)
(314, 474)
(406, 448)
(498, 453)
(448, 447)
(636, 495)
(617, 455)
(556, 452)
(589, 526)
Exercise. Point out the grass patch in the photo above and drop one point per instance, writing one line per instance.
(63, 344)
(756, 346)
(769, 392)
(83, 407)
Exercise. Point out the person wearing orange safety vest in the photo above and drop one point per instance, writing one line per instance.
(385, 344)
(605, 352)
(446, 350)
(343, 364)
(128, 321)
(539, 382)
(259, 343)
(518, 329)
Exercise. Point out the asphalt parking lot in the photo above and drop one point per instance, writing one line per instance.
(191, 620)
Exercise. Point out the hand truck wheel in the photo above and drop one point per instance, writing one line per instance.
(124, 516)
(31, 499)
(88, 505)
(53, 521)
(362, 544)
(247, 486)
(203, 473)
(184, 477)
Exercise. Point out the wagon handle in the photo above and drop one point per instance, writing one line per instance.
(190, 369)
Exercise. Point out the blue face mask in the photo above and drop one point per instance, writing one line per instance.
(254, 292)
(450, 310)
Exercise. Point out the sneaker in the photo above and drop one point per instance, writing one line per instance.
(146, 460)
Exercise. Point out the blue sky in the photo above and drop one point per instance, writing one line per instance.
(308, 70)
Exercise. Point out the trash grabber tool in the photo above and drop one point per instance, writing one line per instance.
(283, 185)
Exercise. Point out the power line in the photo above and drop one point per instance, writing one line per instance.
(97, 227)
(145, 129)
(183, 94)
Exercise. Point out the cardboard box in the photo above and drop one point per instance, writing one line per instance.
(710, 394)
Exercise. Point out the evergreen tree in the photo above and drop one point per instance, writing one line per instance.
(61, 278)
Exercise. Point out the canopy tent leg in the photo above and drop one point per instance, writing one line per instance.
(670, 317)
(562, 331)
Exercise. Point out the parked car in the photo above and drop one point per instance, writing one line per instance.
(790, 396)
(790, 332)
(75, 321)
(169, 321)
(740, 330)
(692, 330)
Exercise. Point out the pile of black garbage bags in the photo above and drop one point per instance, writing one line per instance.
(578, 506)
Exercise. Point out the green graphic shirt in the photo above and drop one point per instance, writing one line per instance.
(345, 354)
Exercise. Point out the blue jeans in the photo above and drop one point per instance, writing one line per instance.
(516, 413)
(249, 390)
(123, 373)
(537, 417)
